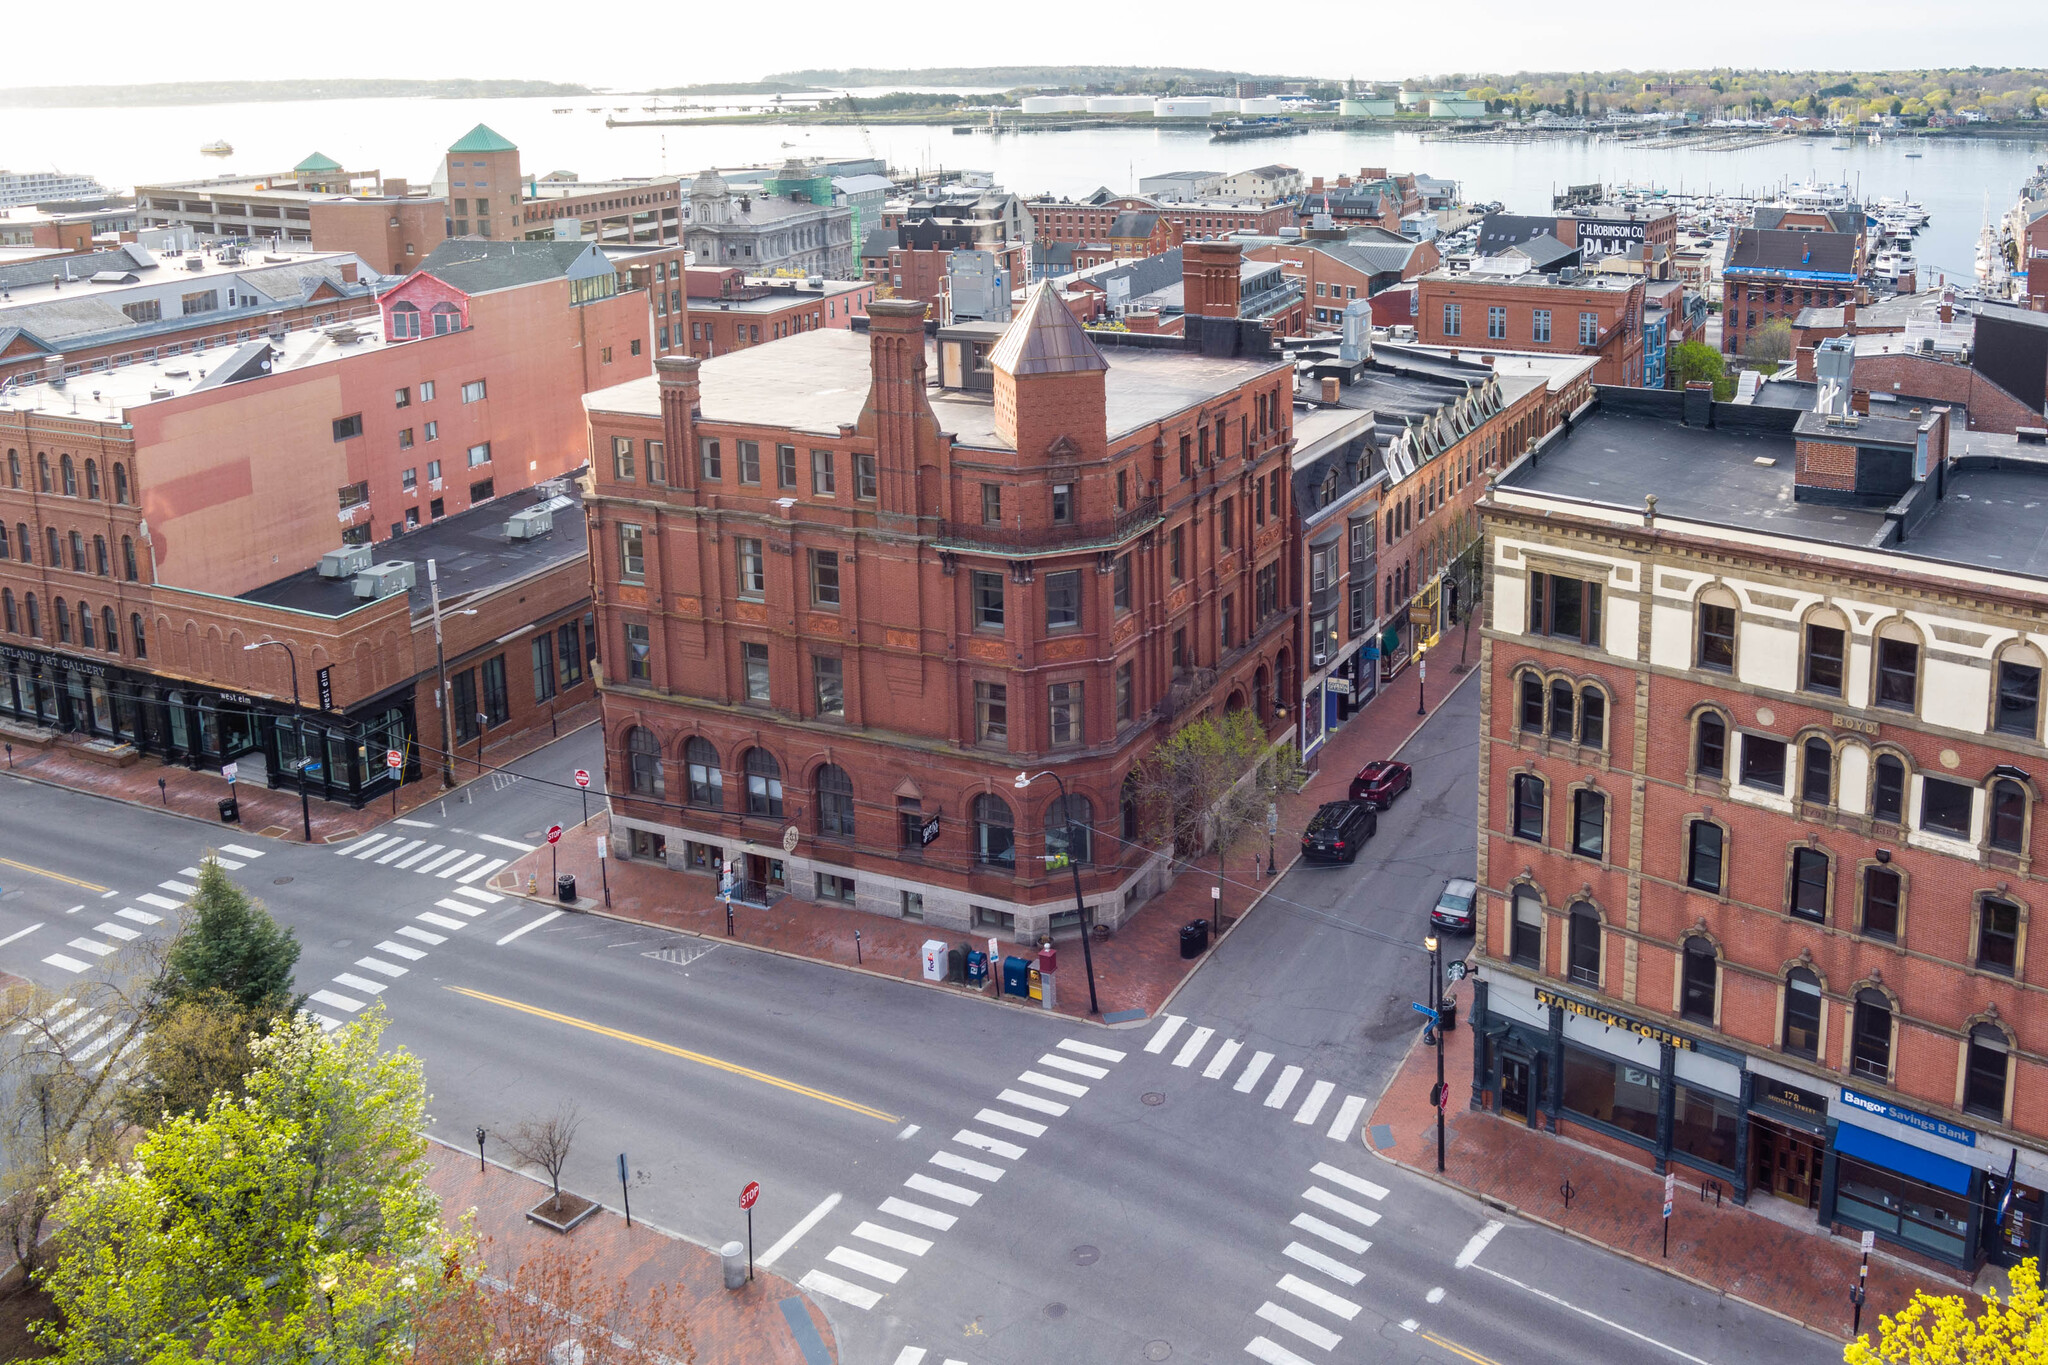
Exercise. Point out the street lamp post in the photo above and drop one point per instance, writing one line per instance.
(1080, 911)
(1421, 678)
(443, 702)
(299, 716)
(1436, 1002)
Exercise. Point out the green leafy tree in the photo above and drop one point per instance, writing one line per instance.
(1695, 362)
(1210, 783)
(1937, 1329)
(285, 1215)
(197, 1049)
(230, 946)
(1772, 342)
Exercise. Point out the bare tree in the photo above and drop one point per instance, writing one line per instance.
(544, 1143)
(1211, 782)
(550, 1308)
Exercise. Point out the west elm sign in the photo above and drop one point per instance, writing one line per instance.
(1912, 1118)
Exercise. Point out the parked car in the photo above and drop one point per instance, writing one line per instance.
(1453, 908)
(1337, 831)
(1380, 781)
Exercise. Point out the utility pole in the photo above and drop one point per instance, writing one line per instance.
(442, 701)
(1436, 1002)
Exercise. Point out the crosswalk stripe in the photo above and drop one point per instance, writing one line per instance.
(460, 907)
(1331, 1233)
(139, 916)
(371, 964)
(1283, 1087)
(454, 868)
(230, 864)
(340, 1002)
(967, 1137)
(1318, 1096)
(1249, 1077)
(241, 852)
(1068, 1064)
(326, 1024)
(91, 945)
(182, 888)
(886, 1271)
(360, 983)
(1319, 1296)
(426, 852)
(1192, 1048)
(427, 867)
(95, 1045)
(1032, 1102)
(832, 1287)
(1168, 1026)
(889, 1237)
(1106, 1054)
(160, 902)
(488, 898)
(980, 1170)
(999, 1119)
(74, 1037)
(188, 872)
(506, 843)
(1315, 1334)
(441, 921)
(421, 934)
(480, 873)
(1220, 1063)
(939, 1189)
(400, 851)
(916, 1213)
(910, 1355)
(120, 931)
(1357, 1184)
(409, 954)
(1272, 1352)
(1356, 1212)
(376, 843)
(1054, 1084)
(61, 1025)
(1347, 1117)
(1329, 1265)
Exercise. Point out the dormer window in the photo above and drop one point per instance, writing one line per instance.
(405, 321)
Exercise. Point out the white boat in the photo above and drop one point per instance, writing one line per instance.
(1893, 265)
(218, 147)
(1876, 136)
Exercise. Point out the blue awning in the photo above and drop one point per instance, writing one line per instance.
(1906, 1159)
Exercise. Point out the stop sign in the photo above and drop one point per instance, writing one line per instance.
(750, 1194)
(582, 777)
(554, 834)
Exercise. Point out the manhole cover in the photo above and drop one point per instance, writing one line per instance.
(280, 881)
(1086, 1255)
(343, 942)
(1055, 1310)
(1157, 1350)
(1153, 1098)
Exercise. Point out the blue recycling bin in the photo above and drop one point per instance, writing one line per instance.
(977, 969)
(1017, 976)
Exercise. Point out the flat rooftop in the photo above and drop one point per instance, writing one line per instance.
(774, 294)
(470, 551)
(193, 268)
(818, 381)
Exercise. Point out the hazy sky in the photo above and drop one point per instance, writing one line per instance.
(633, 47)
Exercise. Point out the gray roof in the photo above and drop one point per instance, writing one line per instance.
(1132, 223)
(1045, 339)
(1800, 249)
(29, 274)
(1373, 258)
(1851, 219)
(1146, 275)
(880, 243)
(1499, 231)
(477, 267)
(1547, 253)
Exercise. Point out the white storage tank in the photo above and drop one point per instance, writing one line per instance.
(1120, 104)
(1053, 104)
(1184, 106)
(1265, 104)
(1223, 104)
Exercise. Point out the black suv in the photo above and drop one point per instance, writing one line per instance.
(1337, 830)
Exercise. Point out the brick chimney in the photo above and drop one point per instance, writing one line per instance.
(1859, 401)
(1849, 316)
(897, 415)
(1209, 278)
(1141, 320)
(676, 376)
(1332, 390)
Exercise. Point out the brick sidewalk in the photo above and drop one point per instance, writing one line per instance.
(1138, 969)
(1794, 1269)
(196, 794)
(750, 1326)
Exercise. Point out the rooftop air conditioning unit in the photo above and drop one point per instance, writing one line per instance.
(527, 524)
(382, 580)
(346, 562)
(1320, 660)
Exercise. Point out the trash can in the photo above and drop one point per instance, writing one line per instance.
(565, 888)
(1194, 938)
(230, 811)
(1447, 1013)
(956, 965)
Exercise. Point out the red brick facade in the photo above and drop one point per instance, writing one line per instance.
(1525, 313)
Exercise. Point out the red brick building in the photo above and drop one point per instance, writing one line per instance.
(1092, 225)
(1570, 313)
(1336, 266)
(1771, 274)
(837, 618)
(729, 310)
(1759, 795)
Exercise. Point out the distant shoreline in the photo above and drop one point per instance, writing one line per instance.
(177, 93)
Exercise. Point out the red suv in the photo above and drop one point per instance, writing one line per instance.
(1380, 781)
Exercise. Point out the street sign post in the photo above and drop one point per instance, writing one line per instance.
(625, 1191)
(228, 771)
(747, 1198)
(555, 855)
(1423, 1009)
(1862, 1289)
(604, 872)
(1670, 1191)
(583, 781)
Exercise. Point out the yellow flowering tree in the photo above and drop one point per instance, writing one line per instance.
(1937, 1329)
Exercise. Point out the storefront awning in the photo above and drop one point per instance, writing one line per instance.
(1906, 1159)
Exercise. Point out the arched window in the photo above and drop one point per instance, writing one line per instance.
(1816, 771)
(99, 556)
(56, 546)
(1585, 945)
(1070, 828)
(1532, 703)
(6, 551)
(835, 801)
(2019, 693)
(1985, 1064)
(707, 782)
(28, 555)
(1888, 790)
(62, 612)
(135, 630)
(1589, 823)
(13, 469)
(1809, 894)
(92, 479)
(1870, 1049)
(1525, 929)
(1710, 746)
(1593, 718)
(108, 628)
(1699, 971)
(405, 320)
(643, 756)
(78, 551)
(1827, 635)
(43, 470)
(7, 610)
(121, 484)
(1703, 856)
(764, 783)
(1561, 698)
(35, 619)
(127, 556)
(1715, 645)
(1528, 808)
(86, 635)
(1801, 1034)
(995, 834)
(68, 473)
(2008, 815)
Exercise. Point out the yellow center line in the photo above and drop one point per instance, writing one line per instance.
(1457, 1350)
(700, 1058)
(53, 876)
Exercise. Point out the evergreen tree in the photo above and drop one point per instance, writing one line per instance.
(230, 947)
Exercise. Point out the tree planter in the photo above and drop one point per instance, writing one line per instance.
(562, 1215)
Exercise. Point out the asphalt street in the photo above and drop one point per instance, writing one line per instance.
(976, 1182)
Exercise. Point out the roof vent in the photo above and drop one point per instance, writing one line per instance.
(384, 580)
(346, 562)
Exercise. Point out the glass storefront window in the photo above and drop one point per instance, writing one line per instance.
(1703, 1126)
(102, 708)
(1900, 1207)
(1611, 1092)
